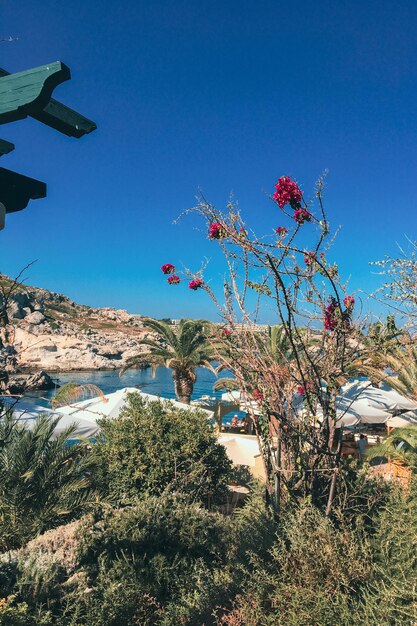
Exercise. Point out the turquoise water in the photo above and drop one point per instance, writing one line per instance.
(160, 385)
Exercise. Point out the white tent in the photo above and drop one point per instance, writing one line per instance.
(85, 414)
(400, 421)
(111, 404)
(26, 414)
(350, 411)
(231, 396)
(383, 397)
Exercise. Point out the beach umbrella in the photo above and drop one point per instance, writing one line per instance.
(401, 421)
(384, 396)
(26, 413)
(111, 404)
(231, 396)
(349, 411)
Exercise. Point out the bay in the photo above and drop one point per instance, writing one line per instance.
(159, 385)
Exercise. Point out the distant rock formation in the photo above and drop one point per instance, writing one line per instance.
(53, 333)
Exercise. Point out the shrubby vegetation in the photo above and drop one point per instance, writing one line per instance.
(144, 538)
(154, 448)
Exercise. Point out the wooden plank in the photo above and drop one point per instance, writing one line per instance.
(5, 147)
(28, 92)
(17, 190)
(62, 118)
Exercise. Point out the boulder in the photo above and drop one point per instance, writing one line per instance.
(35, 318)
(40, 381)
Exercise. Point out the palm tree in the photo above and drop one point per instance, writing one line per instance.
(182, 349)
(404, 365)
(400, 445)
(43, 481)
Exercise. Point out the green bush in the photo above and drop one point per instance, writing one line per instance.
(154, 447)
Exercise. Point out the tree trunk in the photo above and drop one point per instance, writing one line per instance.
(184, 385)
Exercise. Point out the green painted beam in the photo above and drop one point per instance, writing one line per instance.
(17, 190)
(61, 117)
(5, 147)
(28, 92)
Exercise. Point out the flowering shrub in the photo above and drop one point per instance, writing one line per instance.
(216, 231)
(349, 302)
(195, 284)
(168, 268)
(281, 231)
(258, 395)
(309, 258)
(330, 320)
(174, 280)
(287, 192)
(302, 215)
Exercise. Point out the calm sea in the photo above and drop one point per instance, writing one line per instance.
(159, 385)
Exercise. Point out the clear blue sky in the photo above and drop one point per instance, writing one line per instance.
(223, 96)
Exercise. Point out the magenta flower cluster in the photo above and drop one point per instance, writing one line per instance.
(174, 280)
(302, 215)
(216, 231)
(281, 231)
(309, 258)
(195, 284)
(349, 302)
(287, 192)
(168, 268)
(330, 320)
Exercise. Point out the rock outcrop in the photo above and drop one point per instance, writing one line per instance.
(53, 333)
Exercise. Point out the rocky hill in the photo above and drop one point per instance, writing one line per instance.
(53, 333)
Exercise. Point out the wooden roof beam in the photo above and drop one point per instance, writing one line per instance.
(36, 86)
(5, 147)
(17, 190)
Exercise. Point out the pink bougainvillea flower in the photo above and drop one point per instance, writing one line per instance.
(226, 332)
(195, 284)
(330, 320)
(302, 215)
(258, 395)
(217, 231)
(349, 302)
(168, 268)
(174, 280)
(287, 192)
(281, 231)
(309, 258)
(301, 390)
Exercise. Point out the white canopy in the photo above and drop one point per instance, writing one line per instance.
(231, 396)
(383, 397)
(85, 414)
(26, 414)
(350, 411)
(400, 421)
(111, 404)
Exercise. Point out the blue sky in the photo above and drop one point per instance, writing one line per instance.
(218, 96)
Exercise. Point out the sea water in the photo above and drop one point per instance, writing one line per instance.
(159, 385)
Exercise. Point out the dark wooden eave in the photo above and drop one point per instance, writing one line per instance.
(29, 94)
(5, 147)
(17, 190)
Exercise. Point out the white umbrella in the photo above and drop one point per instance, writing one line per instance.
(26, 414)
(384, 396)
(111, 404)
(350, 411)
(400, 421)
(231, 396)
